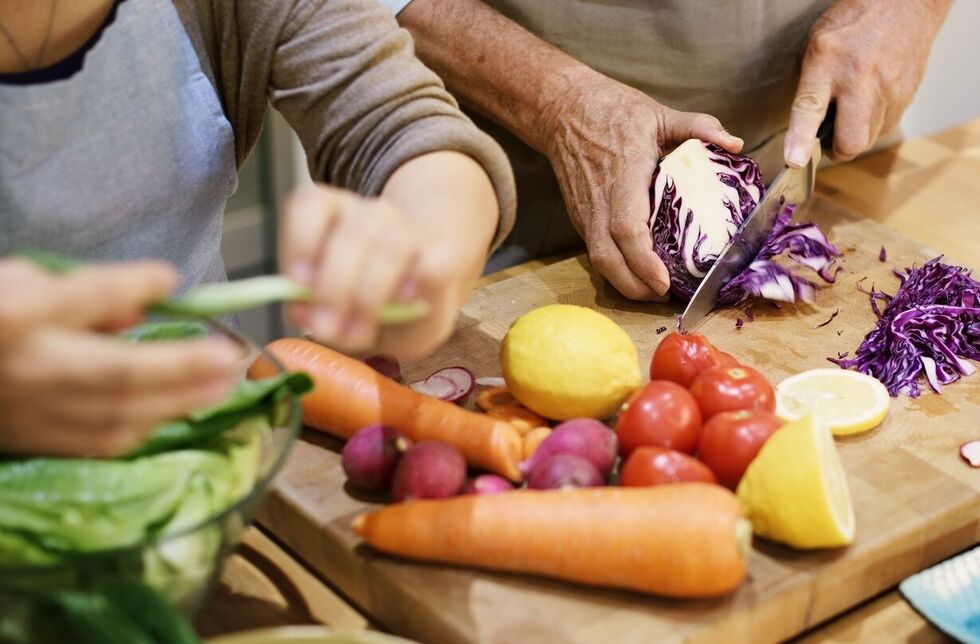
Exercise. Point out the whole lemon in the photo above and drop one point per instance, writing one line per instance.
(564, 361)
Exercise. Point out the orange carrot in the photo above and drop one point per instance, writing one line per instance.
(533, 440)
(495, 397)
(348, 395)
(522, 418)
(681, 540)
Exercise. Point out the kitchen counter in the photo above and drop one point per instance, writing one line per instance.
(925, 188)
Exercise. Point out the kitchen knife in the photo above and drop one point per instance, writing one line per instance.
(791, 186)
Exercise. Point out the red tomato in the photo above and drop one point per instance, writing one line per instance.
(661, 414)
(727, 359)
(680, 357)
(657, 466)
(731, 439)
(721, 389)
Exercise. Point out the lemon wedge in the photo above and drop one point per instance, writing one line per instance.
(848, 402)
(795, 491)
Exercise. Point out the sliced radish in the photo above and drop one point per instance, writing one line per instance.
(452, 384)
(971, 453)
(491, 382)
(385, 365)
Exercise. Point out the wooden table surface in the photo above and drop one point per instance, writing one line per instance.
(926, 188)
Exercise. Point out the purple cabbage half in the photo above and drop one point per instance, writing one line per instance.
(700, 195)
(930, 326)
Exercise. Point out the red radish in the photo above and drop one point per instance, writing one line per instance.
(970, 452)
(430, 470)
(385, 365)
(487, 484)
(371, 455)
(564, 471)
(584, 437)
(452, 384)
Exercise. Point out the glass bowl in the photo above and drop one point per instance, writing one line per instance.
(154, 579)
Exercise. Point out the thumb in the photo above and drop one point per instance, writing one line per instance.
(103, 293)
(809, 108)
(681, 126)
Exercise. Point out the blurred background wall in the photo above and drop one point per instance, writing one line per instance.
(949, 95)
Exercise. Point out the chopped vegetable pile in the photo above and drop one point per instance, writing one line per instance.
(931, 326)
(700, 196)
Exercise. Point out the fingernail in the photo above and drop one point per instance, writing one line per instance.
(301, 272)
(795, 157)
(325, 322)
(408, 290)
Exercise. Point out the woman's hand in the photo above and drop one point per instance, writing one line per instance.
(426, 238)
(67, 388)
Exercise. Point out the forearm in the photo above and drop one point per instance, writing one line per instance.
(494, 65)
(452, 206)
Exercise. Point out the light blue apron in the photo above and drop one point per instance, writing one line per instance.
(132, 157)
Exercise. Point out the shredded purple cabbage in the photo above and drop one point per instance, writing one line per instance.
(671, 225)
(882, 254)
(738, 323)
(931, 326)
(805, 244)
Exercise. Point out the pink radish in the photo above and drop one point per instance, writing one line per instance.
(452, 384)
(385, 365)
(563, 471)
(584, 437)
(430, 470)
(487, 484)
(371, 455)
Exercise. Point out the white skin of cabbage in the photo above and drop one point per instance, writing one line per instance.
(695, 176)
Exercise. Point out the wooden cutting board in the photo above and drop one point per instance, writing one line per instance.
(916, 502)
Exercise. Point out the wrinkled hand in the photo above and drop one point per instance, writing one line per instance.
(605, 140)
(869, 56)
(68, 389)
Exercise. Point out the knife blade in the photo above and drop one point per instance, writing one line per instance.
(791, 185)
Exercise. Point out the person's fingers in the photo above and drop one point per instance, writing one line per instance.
(343, 256)
(380, 282)
(681, 126)
(630, 212)
(854, 125)
(308, 215)
(607, 259)
(91, 363)
(813, 95)
(86, 297)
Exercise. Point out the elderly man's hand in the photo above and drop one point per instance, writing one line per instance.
(869, 56)
(604, 140)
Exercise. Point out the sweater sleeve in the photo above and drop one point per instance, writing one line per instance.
(345, 77)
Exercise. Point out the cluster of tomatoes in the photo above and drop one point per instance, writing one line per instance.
(701, 401)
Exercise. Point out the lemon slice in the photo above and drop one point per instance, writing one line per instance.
(795, 491)
(848, 402)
